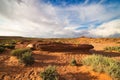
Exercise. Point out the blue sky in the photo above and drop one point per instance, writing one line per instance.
(77, 2)
(60, 18)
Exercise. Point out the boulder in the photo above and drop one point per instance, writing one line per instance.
(31, 46)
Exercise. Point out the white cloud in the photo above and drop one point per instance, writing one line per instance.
(36, 19)
(109, 29)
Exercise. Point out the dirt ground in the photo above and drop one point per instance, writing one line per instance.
(11, 69)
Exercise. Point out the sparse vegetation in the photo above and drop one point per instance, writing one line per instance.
(2, 49)
(73, 62)
(8, 41)
(114, 48)
(19, 52)
(24, 55)
(118, 42)
(65, 55)
(9, 46)
(49, 73)
(27, 58)
(100, 63)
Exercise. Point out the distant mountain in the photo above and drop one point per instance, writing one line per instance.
(11, 37)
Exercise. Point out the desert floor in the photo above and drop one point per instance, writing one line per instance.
(11, 69)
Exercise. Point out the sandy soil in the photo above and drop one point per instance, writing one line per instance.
(11, 69)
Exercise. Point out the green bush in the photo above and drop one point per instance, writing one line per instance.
(118, 42)
(8, 41)
(100, 63)
(9, 46)
(73, 62)
(49, 73)
(2, 49)
(1, 45)
(114, 70)
(24, 55)
(19, 52)
(114, 48)
(27, 58)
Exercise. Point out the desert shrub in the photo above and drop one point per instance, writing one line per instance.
(114, 48)
(100, 63)
(1, 45)
(19, 52)
(73, 62)
(27, 58)
(108, 49)
(2, 49)
(118, 42)
(49, 73)
(8, 41)
(24, 55)
(6, 45)
(114, 70)
(9, 46)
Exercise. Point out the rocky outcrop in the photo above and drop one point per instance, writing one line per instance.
(56, 46)
(86, 47)
(62, 47)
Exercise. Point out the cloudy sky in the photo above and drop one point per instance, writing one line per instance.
(60, 18)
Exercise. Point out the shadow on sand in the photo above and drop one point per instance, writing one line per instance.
(42, 60)
(107, 54)
(77, 76)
